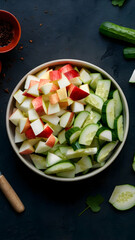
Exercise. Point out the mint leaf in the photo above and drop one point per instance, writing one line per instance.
(93, 203)
(118, 2)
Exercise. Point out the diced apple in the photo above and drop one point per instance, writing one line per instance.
(39, 161)
(62, 93)
(85, 76)
(77, 107)
(76, 93)
(53, 98)
(42, 72)
(63, 82)
(19, 96)
(33, 82)
(34, 141)
(26, 105)
(28, 79)
(39, 105)
(60, 113)
(48, 88)
(26, 148)
(43, 82)
(66, 119)
(61, 137)
(76, 81)
(71, 74)
(30, 134)
(37, 126)
(65, 68)
(26, 94)
(41, 147)
(63, 104)
(51, 119)
(46, 75)
(24, 125)
(56, 129)
(55, 75)
(16, 116)
(85, 87)
(47, 131)
(51, 141)
(19, 137)
(53, 108)
(33, 91)
(32, 114)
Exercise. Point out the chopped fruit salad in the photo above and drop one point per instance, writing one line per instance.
(68, 120)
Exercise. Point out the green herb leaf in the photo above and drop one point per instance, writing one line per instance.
(118, 2)
(93, 203)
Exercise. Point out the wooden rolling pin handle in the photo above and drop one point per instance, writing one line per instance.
(10, 194)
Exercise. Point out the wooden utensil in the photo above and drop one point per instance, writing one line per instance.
(10, 194)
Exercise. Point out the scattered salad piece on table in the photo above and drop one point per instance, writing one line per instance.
(129, 52)
(133, 164)
(123, 197)
(118, 2)
(68, 120)
(93, 203)
(132, 78)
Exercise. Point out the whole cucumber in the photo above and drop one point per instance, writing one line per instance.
(119, 32)
(129, 52)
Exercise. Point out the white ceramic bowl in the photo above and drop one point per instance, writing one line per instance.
(10, 128)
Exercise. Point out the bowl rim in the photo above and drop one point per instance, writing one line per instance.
(10, 46)
(87, 65)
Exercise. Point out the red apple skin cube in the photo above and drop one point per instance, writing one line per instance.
(65, 68)
(50, 141)
(71, 74)
(42, 82)
(27, 94)
(55, 75)
(46, 132)
(54, 98)
(27, 126)
(32, 83)
(38, 105)
(30, 134)
(27, 151)
(54, 88)
(76, 93)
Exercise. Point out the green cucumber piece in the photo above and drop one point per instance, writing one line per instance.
(108, 113)
(103, 88)
(52, 159)
(83, 164)
(95, 78)
(76, 145)
(105, 151)
(80, 118)
(93, 117)
(123, 197)
(62, 166)
(88, 108)
(72, 135)
(95, 102)
(87, 134)
(39, 161)
(71, 154)
(85, 76)
(119, 128)
(61, 137)
(67, 174)
(117, 102)
(97, 165)
(133, 164)
(118, 32)
(106, 134)
(129, 52)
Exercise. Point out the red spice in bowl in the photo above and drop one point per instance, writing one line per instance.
(10, 31)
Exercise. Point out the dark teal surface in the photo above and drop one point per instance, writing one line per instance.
(69, 30)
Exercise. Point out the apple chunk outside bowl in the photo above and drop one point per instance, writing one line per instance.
(11, 128)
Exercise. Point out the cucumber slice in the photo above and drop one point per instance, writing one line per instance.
(60, 167)
(132, 78)
(68, 174)
(117, 102)
(106, 134)
(72, 134)
(64, 149)
(59, 154)
(95, 143)
(105, 151)
(52, 159)
(119, 128)
(81, 117)
(133, 164)
(95, 102)
(103, 88)
(129, 52)
(61, 137)
(39, 161)
(76, 146)
(80, 152)
(93, 117)
(83, 164)
(123, 197)
(87, 134)
(95, 78)
(97, 165)
(85, 76)
(88, 108)
(108, 113)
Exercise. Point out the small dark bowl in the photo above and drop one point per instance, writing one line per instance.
(8, 17)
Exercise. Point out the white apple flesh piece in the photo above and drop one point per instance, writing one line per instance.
(28, 79)
(41, 147)
(66, 119)
(77, 107)
(26, 105)
(48, 88)
(32, 114)
(51, 119)
(41, 73)
(19, 96)
(33, 91)
(53, 108)
(39, 105)
(26, 148)
(37, 126)
(62, 93)
(19, 137)
(24, 125)
(16, 116)
(63, 82)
